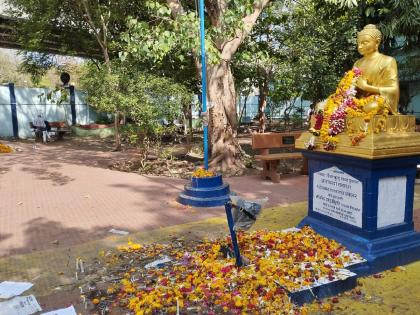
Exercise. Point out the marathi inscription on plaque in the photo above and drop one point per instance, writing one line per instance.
(338, 195)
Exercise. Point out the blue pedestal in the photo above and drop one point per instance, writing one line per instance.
(367, 205)
(205, 192)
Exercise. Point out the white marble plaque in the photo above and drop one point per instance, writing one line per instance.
(391, 200)
(338, 195)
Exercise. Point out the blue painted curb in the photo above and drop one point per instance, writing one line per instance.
(202, 202)
(323, 291)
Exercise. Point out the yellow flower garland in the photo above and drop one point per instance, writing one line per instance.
(333, 102)
(367, 117)
(337, 99)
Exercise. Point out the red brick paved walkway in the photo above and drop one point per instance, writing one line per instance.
(60, 192)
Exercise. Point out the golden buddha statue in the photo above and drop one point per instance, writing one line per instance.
(379, 72)
(357, 122)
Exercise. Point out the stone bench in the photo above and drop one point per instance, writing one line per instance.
(263, 142)
(60, 128)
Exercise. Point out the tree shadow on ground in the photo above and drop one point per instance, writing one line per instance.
(42, 174)
(4, 170)
(42, 234)
(77, 151)
(4, 236)
(163, 208)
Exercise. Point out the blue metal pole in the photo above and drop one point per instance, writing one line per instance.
(228, 209)
(204, 83)
(72, 105)
(14, 110)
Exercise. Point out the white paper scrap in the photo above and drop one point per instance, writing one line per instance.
(9, 289)
(290, 230)
(20, 305)
(62, 311)
(120, 232)
(158, 262)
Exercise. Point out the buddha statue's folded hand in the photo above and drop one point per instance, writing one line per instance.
(362, 84)
(373, 106)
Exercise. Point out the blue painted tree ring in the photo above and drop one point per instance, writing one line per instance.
(206, 182)
(205, 192)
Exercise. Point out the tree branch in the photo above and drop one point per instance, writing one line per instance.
(88, 18)
(176, 7)
(215, 9)
(230, 47)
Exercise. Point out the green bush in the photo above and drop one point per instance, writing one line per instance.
(103, 120)
(142, 97)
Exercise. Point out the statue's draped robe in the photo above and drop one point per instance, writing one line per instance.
(382, 72)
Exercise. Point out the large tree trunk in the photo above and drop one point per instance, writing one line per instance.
(262, 104)
(117, 136)
(221, 89)
(222, 123)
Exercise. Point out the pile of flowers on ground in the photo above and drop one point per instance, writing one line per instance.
(344, 103)
(202, 172)
(5, 148)
(201, 277)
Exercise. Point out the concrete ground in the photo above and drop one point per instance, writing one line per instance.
(60, 195)
(59, 201)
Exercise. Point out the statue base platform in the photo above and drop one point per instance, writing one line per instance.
(398, 138)
(366, 204)
(205, 192)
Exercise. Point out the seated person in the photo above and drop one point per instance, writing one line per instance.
(41, 125)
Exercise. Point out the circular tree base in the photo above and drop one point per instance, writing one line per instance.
(205, 192)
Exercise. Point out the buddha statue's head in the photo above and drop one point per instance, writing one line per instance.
(368, 40)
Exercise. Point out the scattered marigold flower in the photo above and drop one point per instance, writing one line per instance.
(279, 262)
(110, 290)
(201, 172)
(5, 148)
(326, 307)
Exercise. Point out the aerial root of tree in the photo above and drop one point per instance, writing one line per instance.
(226, 157)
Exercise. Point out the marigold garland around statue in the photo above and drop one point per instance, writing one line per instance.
(344, 104)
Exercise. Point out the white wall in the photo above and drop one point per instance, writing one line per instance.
(33, 101)
(414, 105)
(6, 125)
